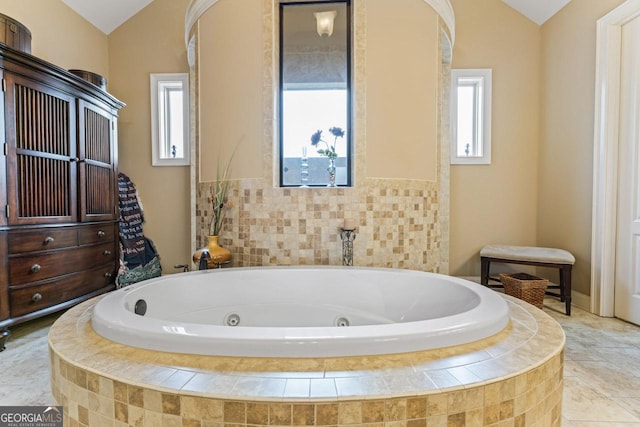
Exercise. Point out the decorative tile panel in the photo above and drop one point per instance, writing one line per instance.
(397, 224)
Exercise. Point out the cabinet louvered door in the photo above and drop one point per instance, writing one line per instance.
(97, 164)
(41, 153)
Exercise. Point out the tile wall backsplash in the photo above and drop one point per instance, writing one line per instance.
(397, 224)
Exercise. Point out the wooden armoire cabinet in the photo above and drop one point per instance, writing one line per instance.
(58, 189)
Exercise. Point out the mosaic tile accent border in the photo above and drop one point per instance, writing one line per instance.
(397, 225)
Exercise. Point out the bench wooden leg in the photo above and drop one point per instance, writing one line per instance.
(484, 270)
(565, 287)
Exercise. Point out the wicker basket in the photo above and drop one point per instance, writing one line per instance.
(525, 287)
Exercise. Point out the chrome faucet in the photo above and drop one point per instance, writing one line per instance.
(347, 235)
(204, 261)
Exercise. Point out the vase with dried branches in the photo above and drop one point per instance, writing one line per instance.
(218, 199)
(218, 192)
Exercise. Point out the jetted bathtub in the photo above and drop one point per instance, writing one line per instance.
(300, 312)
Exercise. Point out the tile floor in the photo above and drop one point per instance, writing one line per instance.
(601, 371)
(602, 368)
(24, 365)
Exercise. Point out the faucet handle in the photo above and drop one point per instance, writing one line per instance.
(184, 267)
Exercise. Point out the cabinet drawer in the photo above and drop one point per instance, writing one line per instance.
(42, 239)
(23, 269)
(32, 298)
(96, 234)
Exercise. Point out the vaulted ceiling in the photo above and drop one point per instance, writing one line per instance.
(109, 15)
(537, 10)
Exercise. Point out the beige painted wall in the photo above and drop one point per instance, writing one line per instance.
(59, 35)
(566, 138)
(231, 88)
(402, 90)
(536, 191)
(497, 203)
(152, 42)
(402, 71)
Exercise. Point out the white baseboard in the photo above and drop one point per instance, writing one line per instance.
(581, 300)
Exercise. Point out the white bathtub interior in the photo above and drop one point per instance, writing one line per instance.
(295, 312)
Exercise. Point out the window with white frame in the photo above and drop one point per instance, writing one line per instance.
(471, 116)
(170, 119)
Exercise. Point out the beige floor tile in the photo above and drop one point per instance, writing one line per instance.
(630, 404)
(24, 365)
(599, 424)
(609, 379)
(582, 403)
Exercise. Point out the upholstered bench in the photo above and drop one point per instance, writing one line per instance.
(528, 255)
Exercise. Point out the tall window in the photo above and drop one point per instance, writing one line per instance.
(471, 116)
(170, 119)
(315, 93)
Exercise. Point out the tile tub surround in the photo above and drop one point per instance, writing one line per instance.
(512, 378)
(398, 224)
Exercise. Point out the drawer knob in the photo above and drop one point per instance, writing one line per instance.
(48, 240)
(106, 253)
(36, 297)
(101, 234)
(107, 275)
(35, 268)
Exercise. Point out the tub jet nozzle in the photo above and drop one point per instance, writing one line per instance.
(232, 320)
(342, 322)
